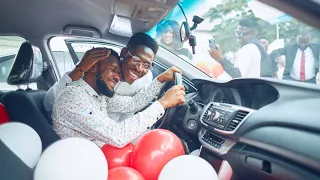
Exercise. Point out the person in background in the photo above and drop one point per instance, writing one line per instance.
(250, 55)
(168, 31)
(268, 67)
(264, 41)
(302, 59)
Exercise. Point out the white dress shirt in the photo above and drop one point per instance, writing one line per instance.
(122, 88)
(80, 112)
(248, 61)
(309, 65)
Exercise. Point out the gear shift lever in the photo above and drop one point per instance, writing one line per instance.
(193, 106)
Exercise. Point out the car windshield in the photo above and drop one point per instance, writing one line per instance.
(242, 38)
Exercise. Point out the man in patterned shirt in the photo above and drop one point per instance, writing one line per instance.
(141, 47)
(81, 109)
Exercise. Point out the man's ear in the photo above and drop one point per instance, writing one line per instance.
(123, 52)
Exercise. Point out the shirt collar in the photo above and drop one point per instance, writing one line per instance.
(87, 87)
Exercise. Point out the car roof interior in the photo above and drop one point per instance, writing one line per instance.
(38, 19)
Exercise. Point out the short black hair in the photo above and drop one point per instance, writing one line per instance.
(114, 53)
(143, 39)
(248, 23)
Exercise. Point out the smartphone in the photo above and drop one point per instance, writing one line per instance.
(212, 43)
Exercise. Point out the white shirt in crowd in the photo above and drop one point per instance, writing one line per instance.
(309, 65)
(80, 112)
(122, 88)
(248, 61)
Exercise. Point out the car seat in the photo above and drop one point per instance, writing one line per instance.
(26, 106)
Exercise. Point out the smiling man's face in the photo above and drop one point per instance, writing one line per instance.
(108, 75)
(130, 70)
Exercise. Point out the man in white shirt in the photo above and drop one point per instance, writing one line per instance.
(247, 63)
(302, 59)
(81, 108)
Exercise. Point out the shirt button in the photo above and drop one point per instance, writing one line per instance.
(161, 114)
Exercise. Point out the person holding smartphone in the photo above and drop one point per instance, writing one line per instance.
(247, 64)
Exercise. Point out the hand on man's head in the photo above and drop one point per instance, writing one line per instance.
(168, 74)
(92, 56)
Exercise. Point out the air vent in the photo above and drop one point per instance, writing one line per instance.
(237, 118)
(207, 112)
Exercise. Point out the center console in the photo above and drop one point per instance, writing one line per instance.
(218, 121)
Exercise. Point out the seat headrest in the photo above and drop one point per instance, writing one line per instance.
(27, 66)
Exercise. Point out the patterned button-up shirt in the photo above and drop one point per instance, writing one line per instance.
(80, 112)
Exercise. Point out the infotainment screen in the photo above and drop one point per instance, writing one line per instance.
(218, 117)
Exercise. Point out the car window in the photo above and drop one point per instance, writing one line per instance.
(254, 40)
(62, 56)
(9, 47)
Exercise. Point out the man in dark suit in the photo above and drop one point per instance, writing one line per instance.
(302, 59)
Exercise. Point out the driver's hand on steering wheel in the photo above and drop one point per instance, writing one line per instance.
(168, 74)
(173, 97)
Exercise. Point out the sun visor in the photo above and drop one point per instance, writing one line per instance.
(125, 26)
(131, 16)
(144, 11)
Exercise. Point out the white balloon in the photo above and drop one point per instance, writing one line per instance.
(72, 158)
(23, 141)
(195, 152)
(188, 167)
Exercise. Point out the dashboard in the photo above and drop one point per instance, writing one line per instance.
(251, 95)
(224, 108)
(267, 121)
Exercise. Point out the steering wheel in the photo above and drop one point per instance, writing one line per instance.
(165, 120)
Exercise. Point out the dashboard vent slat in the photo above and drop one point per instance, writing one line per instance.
(237, 118)
(207, 112)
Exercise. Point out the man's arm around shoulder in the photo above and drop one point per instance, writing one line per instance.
(128, 104)
(54, 91)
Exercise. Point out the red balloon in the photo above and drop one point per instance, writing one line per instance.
(124, 173)
(217, 70)
(117, 157)
(153, 151)
(4, 118)
(205, 66)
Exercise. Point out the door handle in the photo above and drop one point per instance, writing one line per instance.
(259, 164)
